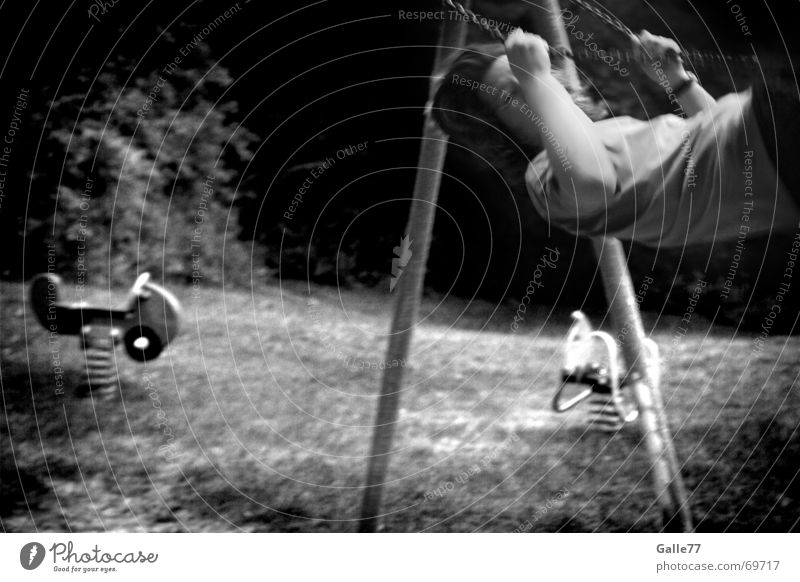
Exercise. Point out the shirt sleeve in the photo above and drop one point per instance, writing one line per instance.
(640, 162)
(584, 213)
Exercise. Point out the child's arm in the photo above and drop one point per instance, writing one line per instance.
(577, 156)
(658, 58)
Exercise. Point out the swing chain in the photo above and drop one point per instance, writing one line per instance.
(492, 30)
(605, 16)
(473, 18)
(697, 59)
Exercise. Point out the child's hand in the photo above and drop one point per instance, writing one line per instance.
(528, 55)
(659, 58)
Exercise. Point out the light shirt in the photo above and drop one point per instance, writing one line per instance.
(679, 181)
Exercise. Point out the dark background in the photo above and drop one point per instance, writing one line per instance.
(274, 89)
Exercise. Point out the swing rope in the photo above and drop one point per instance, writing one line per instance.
(698, 59)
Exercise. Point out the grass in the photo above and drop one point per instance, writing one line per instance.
(267, 417)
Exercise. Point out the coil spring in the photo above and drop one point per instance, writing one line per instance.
(602, 413)
(98, 347)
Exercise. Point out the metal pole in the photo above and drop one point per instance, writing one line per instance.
(623, 309)
(624, 312)
(419, 228)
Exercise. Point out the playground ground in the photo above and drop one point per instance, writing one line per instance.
(257, 419)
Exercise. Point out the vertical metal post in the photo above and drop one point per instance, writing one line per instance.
(624, 312)
(419, 228)
(669, 488)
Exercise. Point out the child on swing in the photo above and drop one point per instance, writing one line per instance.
(727, 169)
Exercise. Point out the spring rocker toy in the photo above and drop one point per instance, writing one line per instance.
(592, 362)
(146, 323)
